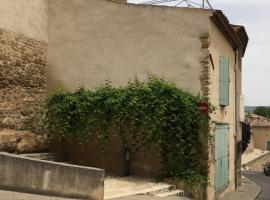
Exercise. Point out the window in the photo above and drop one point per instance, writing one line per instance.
(223, 81)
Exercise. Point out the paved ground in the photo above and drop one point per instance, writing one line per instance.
(8, 195)
(263, 181)
(128, 186)
(248, 191)
(147, 197)
(117, 188)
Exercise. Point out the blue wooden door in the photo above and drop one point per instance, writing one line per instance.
(221, 157)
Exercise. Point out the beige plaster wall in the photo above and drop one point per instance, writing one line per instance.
(219, 46)
(260, 137)
(91, 154)
(91, 41)
(27, 17)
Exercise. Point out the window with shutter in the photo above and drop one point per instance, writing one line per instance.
(223, 81)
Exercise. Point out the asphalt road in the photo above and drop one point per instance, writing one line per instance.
(261, 180)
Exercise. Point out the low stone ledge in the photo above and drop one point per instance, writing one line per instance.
(22, 174)
(257, 163)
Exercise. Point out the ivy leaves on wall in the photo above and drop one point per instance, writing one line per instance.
(154, 112)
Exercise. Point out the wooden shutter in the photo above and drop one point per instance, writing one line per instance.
(223, 81)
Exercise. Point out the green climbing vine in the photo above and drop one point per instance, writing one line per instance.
(154, 112)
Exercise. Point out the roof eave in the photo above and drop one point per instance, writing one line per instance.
(234, 34)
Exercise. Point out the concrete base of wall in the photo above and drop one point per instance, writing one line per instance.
(44, 177)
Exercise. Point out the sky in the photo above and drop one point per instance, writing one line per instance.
(255, 16)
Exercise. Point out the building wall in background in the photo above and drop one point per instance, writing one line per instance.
(261, 134)
(91, 41)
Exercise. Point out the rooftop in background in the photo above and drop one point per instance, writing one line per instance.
(257, 120)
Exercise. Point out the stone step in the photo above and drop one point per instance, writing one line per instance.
(141, 189)
(159, 189)
(176, 192)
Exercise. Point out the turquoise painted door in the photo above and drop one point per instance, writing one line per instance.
(221, 157)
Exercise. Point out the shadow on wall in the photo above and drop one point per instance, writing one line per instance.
(114, 160)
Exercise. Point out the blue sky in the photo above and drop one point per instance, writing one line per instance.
(255, 16)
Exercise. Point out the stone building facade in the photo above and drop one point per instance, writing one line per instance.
(260, 129)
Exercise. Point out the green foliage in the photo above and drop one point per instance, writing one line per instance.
(154, 112)
(263, 111)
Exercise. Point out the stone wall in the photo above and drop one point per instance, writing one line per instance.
(257, 164)
(22, 142)
(22, 81)
(261, 135)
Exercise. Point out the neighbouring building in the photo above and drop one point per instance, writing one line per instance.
(198, 49)
(260, 129)
(88, 41)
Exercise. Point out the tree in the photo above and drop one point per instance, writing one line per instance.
(246, 135)
(263, 111)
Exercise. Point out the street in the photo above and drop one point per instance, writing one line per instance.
(263, 181)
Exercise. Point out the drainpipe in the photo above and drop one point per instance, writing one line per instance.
(234, 119)
(238, 128)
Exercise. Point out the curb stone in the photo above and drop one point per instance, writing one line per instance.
(258, 192)
(247, 191)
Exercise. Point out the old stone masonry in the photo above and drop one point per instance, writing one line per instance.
(22, 81)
